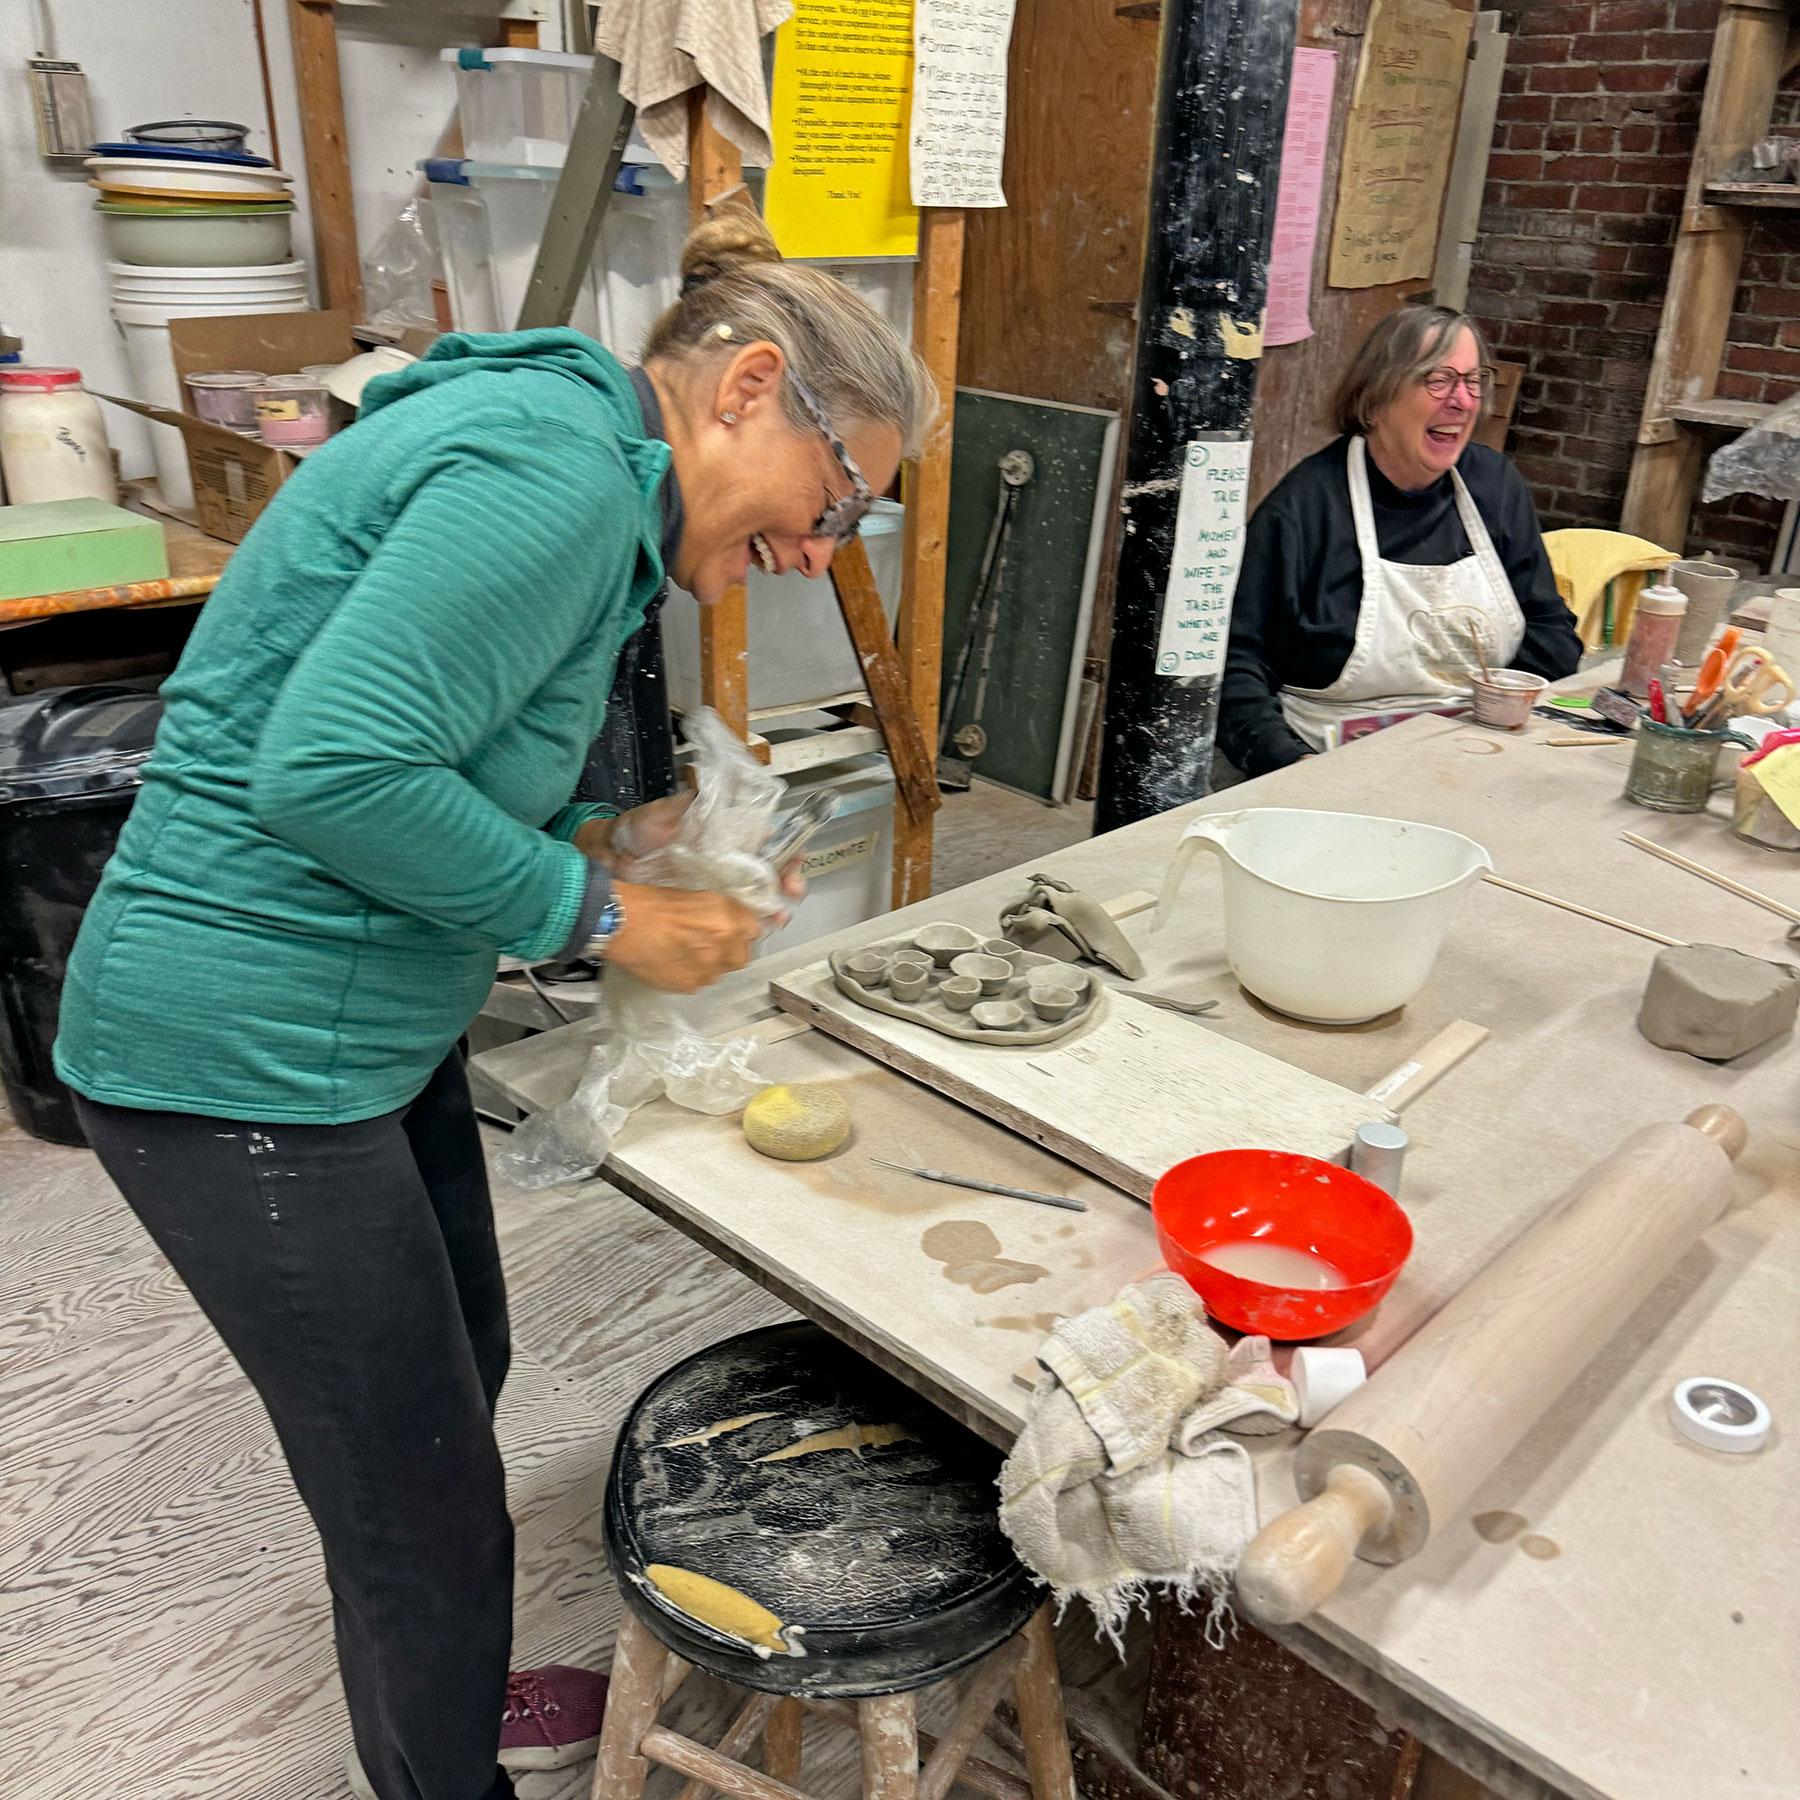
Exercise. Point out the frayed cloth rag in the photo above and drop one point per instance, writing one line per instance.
(1054, 919)
(666, 47)
(1121, 1480)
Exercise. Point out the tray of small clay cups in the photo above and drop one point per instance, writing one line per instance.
(966, 986)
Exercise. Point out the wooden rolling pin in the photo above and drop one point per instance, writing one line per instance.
(1401, 1456)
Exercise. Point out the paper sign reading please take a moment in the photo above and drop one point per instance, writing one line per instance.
(959, 101)
(1209, 545)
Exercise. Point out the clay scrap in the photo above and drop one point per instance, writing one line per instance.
(1054, 919)
(1717, 1003)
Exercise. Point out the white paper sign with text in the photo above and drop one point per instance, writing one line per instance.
(1209, 545)
(959, 101)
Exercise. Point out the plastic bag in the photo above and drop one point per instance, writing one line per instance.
(400, 268)
(647, 1048)
(1765, 460)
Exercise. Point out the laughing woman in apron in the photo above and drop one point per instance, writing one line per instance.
(1370, 569)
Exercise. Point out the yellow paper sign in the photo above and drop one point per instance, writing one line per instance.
(840, 186)
(1779, 773)
(1397, 144)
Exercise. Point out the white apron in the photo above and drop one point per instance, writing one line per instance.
(1387, 670)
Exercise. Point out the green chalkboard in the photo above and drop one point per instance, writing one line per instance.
(1046, 593)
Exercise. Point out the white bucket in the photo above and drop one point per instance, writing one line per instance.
(144, 324)
(1334, 918)
(226, 274)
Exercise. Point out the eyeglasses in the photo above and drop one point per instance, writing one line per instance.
(1443, 381)
(840, 519)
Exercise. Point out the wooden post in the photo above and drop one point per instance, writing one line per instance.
(714, 169)
(313, 27)
(937, 310)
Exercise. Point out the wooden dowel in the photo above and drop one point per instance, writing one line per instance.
(971, 1720)
(1643, 931)
(985, 1777)
(105, 599)
(677, 1752)
(1401, 1086)
(746, 1728)
(1712, 875)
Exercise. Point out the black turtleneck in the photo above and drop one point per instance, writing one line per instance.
(1299, 592)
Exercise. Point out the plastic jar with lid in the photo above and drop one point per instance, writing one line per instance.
(52, 438)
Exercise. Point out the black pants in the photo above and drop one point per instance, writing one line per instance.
(353, 1271)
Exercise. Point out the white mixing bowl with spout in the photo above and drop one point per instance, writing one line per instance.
(1330, 917)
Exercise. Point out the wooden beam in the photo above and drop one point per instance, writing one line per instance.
(313, 26)
(915, 764)
(937, 312)
(714, 169)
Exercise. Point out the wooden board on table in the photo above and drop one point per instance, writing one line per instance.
(1125, 1097)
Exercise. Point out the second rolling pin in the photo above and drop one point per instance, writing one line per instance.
(1402, 1454)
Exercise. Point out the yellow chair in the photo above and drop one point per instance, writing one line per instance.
(1586, 563)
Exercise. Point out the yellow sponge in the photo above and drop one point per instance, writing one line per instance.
(797, 1124)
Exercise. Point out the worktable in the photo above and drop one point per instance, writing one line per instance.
(1633, 1636)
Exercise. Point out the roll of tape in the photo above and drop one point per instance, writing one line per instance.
(1322, 1377)
(1719, 1414)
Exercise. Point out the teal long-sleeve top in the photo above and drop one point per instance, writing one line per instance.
(359, 792)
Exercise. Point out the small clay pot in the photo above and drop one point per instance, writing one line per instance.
(1058, 975)
(903, 960)
(1004, 948)
(1503, 698)
(998, 1015)
(908, 984)
(1054, 1003)
(942, 941)
(993, 972)
(960, 992)
(867, 968)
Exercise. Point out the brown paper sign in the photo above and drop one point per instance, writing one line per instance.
(1397, 146)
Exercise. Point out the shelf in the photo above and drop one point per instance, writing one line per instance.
(1727, 415)
(1773, 195)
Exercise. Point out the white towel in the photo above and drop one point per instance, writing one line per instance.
(1121, 1481)
(665, 47)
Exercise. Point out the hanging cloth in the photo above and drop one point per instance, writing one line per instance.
(1389, 668)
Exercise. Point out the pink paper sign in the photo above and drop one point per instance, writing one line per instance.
(1297, 204)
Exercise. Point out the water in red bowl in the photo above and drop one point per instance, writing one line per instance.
(1280, 1244)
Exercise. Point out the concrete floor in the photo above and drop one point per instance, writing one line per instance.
(991, 828)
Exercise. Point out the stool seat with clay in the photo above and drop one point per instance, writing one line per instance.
(789, 1519)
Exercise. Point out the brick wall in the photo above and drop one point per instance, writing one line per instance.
(1590, 159)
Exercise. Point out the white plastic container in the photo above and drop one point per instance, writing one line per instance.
(518, 106)
(849, 862)
(53, 443)
(143, 318)
(1782, 637)
(1334, 918)
(799, 648)
(146, 281)
(490, 226)
(637, 260)
(178, 179)
(155, 240)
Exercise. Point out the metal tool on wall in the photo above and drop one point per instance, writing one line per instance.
(955, 772)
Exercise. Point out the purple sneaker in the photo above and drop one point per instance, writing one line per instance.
(552, 1717)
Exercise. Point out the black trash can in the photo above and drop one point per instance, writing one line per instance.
(69, 771)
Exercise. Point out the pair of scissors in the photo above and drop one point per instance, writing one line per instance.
(1712, 672)
(1747, 682)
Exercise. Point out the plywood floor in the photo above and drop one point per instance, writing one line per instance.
(164, 1628)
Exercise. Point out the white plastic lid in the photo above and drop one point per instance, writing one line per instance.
(1719, 1414)
(544, 59)
(1666, 601)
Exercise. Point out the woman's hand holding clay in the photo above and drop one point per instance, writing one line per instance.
(679, 940)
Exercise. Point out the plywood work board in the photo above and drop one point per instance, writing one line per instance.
(1125, 1098)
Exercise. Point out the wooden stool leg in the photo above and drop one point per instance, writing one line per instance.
(1041, 1721)
(781, 1742)
(889, 1731)
(640, 1667)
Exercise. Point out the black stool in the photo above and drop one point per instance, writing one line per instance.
(785, 1516)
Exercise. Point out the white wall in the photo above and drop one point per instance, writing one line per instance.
(150, 59)
(163, 59)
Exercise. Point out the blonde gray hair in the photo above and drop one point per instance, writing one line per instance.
(736, 290)
(1400, 348)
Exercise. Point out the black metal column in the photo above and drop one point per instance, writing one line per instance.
(1220, 117)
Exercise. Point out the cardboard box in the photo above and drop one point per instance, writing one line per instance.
(52, 546)
(236, 477)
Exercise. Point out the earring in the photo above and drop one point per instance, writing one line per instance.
(728, 418)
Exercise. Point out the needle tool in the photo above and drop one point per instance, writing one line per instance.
(985, 1187)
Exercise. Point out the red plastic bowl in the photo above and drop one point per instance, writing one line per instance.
(1299, 1202)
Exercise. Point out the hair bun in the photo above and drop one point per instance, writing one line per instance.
(731, 233)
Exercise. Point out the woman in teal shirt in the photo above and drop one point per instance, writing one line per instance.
(360, 795)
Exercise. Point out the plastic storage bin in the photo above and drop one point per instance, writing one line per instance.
(799, 649)
(518, 106)
(849, 863)
(70, 762)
